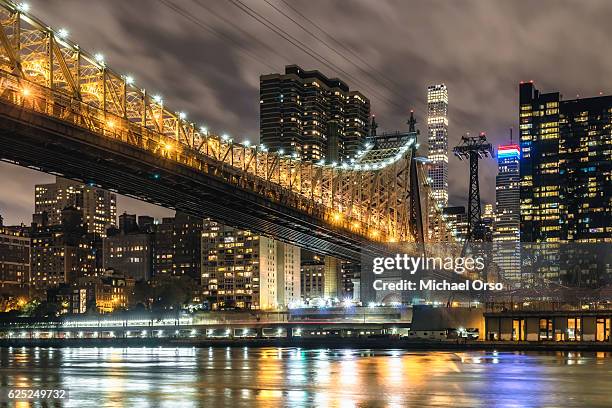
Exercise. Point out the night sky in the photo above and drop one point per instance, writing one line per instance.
(208, 63)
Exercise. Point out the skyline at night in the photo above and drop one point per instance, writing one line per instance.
(222, 92)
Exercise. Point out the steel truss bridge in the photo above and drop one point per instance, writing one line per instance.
(66, 112)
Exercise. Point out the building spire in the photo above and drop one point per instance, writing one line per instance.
(412, 122)
(373, 126)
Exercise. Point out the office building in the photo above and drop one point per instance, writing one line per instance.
(507, 212)
(241, 270)
(437, 126)
(98, 207)
(565, 170)
(315, 117)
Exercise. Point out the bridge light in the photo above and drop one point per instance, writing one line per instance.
(157, 99)
(129, 80)
(281, 151)
(99, 57)
(168, 147)
(225, 137)
(25, 91)
(62, 33)
(374, 233)
(182, 115)
(337, 217)
(25, 7)
(356, 224)
(203, 129)
(110, 123)
(247, 143)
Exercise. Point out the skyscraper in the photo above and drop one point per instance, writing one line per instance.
(437, 125)
(507, 215)
(306, 113)
(98, 207)
(566, 167)
(565, 170)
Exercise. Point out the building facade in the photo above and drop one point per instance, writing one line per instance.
(565, 171)
(14, 261)
(246, 271)
(315, 117)
(98, 207)
(437, 126)
(129, 253)
(61, 254)
(506, 231)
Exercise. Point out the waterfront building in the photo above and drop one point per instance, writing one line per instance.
(565, 170)
(64, 252)
(163, 247)
(98, 207)
(246, 271)
(313, 116)
(14, 261)
(437, 127)
(506, 229)
(186, 241)
(129, 250)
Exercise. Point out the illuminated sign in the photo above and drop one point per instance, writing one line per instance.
(507, 151)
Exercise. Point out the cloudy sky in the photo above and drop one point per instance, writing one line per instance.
(205, 58)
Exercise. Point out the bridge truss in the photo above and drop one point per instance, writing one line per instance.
(41, 70)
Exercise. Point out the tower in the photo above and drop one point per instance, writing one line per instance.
(437, 138)
(474, 148)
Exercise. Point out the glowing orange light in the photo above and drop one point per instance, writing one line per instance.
(168, 146)
(110, 123)
(356, 224)
(26, 91)
(337, 217)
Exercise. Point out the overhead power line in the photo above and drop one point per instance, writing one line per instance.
(206, 27)
(391, 86)
(306, 49)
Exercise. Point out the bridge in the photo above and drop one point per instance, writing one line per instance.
(64, 111)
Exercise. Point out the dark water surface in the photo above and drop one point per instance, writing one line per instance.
(273, 377)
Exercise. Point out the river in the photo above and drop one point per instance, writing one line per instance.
(290, 377)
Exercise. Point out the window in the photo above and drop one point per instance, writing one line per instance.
(574, 328)
(603, 329)
(546, 329)
(518, 329)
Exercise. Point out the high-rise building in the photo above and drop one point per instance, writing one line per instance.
(98, 207)
(187, 239)
(64, 252)
(437, 126)
(246, 271)
(315, 117)
(565, 171)
(456, 220)
(163, 247)
(130, 250)
(14, 261)
(506, 229)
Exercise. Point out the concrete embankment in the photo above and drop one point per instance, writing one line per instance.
(336, 343)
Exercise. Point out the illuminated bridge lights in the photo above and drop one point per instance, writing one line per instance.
(86, 93)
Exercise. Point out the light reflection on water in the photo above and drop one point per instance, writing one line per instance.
(275, 377)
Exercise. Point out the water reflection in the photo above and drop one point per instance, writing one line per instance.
(278, 377)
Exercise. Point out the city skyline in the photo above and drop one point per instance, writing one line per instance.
(479, 103)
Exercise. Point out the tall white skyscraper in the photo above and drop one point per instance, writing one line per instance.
(437, 126)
